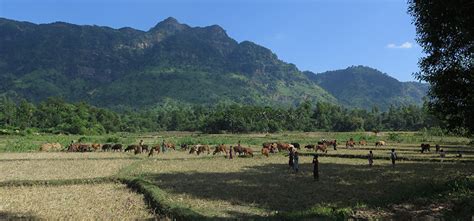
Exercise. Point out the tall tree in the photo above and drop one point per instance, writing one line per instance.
(445, 30)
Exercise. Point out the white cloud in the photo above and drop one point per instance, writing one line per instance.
(405, 45)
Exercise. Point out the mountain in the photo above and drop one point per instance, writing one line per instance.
(365, 87)
(132, 68)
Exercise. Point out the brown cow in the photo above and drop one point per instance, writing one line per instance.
(265, 151)
(219, 149)
(239, 150)
(95, 146)
(321, 147)
(350, 144)
(200, 149)
(50, 147)
(362, 142)
(380, 143)
(170, 146)
(284, 146)
(138, 149)
(154, 149)
(248, 151)
(73, 147)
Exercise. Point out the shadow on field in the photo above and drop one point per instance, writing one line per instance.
(17, 216)
(273, 187)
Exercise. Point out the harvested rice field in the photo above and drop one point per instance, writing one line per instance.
(78, 202)
(106, 185)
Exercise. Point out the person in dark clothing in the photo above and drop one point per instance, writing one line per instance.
(296, 161)
(231, 153)
(393, 157)
(315, 167)
(371, 158)
(291, 156)
(334, 145)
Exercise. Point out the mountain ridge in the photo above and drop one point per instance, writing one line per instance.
(128, 67)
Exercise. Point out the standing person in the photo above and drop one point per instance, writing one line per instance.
(371, 158)
(442, 154)
(316, 167)
(163, 147)
(295, 163)
(334, 145)
(291, 160)
(393, 157)
(140, 143)
(230, 153)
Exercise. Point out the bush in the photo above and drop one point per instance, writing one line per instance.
(395, 137)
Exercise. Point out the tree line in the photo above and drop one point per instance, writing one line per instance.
(54, 115)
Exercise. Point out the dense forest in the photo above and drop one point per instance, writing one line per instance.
(54, 115)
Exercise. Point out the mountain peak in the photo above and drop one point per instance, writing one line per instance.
(168, 25)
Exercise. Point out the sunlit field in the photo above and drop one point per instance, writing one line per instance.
(186, 186)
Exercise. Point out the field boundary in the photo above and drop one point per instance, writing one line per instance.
(387, 158)
(97, 180)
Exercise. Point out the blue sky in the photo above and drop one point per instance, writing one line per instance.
(315, 35)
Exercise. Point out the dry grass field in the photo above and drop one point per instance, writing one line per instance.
(176, 184)
(85, 202)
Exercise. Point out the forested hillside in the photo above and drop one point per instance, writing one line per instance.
(122, 68)
(365, 87)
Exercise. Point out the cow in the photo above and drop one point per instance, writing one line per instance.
(321, 147)
(50, 147)
(117, 147)
(131, 147)
(296, 145)
(154, 149)
(238, 150)
(145, 148)
(425, 147)
(247, 151)
(73, 147)
(170, 146)
(184, 147)
(310, 146)
(350, 143)
(220, 149)
(380, 143)
(138, 149)
(199, 148)
(95, 146)
(362, 142)
(265, 151)
(84, 147)
(106, 147)
(284, 146)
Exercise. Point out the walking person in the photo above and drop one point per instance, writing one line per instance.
(371, 158)
(334, 144)
(295, 163)
(393, 157)
(231, 153)
(316, 167)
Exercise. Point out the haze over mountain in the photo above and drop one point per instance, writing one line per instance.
(199, 65)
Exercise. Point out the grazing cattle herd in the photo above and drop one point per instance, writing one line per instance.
(267, 148)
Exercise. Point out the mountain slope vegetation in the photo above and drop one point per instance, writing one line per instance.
(365, 87)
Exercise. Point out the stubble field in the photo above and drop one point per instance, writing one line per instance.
(183, 186)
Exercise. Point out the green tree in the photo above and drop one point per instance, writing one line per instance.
(445, 30)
